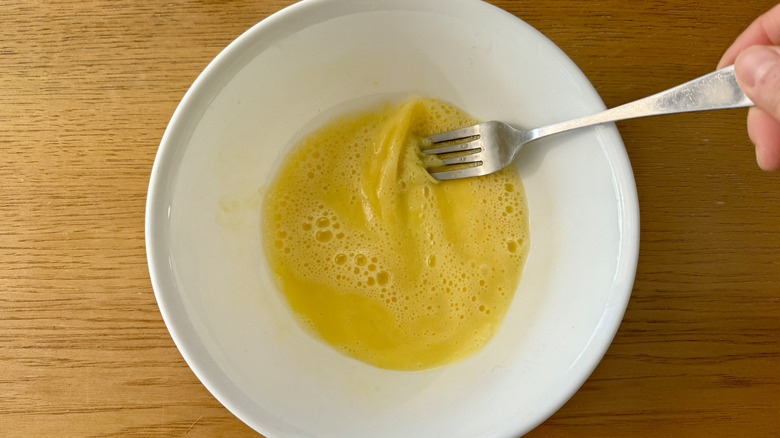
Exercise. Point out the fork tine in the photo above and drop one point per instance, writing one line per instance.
(464, 159)
(458, 147)
(459, 173)
(455, 134)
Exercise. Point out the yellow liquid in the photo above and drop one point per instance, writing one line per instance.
(380, 260)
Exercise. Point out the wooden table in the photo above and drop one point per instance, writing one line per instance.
(88, 86)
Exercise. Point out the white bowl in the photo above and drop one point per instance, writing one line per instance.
(307, 63)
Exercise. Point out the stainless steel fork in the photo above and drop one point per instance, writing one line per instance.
(491, 146)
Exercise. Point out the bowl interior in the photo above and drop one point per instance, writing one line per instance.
(319, 58)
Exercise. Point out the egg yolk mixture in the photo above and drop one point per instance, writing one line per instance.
(377, 258)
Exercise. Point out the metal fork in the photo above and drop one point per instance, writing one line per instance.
(491, 146)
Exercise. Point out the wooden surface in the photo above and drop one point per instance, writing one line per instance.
(88, 86)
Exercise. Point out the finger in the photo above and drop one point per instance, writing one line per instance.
(764, 132)
(765, 30)
(757, 70)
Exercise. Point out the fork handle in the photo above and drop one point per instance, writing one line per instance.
(717, 90)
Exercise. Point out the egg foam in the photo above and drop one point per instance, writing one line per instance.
(380, 260)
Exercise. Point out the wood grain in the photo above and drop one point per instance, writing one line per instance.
(87, 88)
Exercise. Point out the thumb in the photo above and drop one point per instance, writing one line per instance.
(758, 72)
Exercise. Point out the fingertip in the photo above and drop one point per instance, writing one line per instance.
(725, 61)
(768, 159)
(764, 132)
(728, 57)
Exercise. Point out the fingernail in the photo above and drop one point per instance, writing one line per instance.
(754, 63)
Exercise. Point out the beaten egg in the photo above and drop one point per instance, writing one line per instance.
(381, 261)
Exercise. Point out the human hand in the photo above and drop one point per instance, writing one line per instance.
(756, 58)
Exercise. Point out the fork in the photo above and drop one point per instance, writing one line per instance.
(491, 146)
